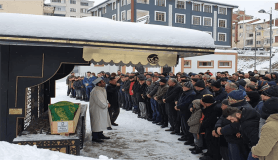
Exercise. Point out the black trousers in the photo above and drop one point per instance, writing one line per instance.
(149, 108)
(163, 115)
(185, 127)
(114, 113)
(172, 116)
(213, 145)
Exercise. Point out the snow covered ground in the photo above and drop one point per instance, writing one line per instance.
(134, 138)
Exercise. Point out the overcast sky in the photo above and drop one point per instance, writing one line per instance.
(251, 6)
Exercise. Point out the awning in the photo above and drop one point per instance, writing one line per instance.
(101, 55)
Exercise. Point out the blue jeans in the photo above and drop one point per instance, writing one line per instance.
(88, 91)
(135, 103)
(154, 105)
(234, 152)
(251, 158)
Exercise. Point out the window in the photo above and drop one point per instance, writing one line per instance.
(241, 26)
(83, 10)
(160, 3)
(58, 9)
(196, 20)
(250, 35)
(276, 39)
(208, 8)
(207, 21)
(114, 17)
(180, 18)
(205, 64)
(222, 10)
(240, 34)
(123, 2)
(222, 23)
(225, 64)
(72, 10)
(267, 41)
(160, 16)
(123, 16)
(128, 1)
(249, 27)
(57, 1)
(187, 64)
(258, 33)
(222, 37)
(258, 42)
(249, 42)
(84, 4)
(103, 10)
(114, 6)
(72, 1)
(143, 1)
(181, 4)
(196, 7)
(1, 6)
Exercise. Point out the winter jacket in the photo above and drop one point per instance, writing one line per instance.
(194, 120)
(211, 113)
(185, 100)
(259, 107)
(171, 94)
(249, 126)
(161, 91)
(89, 81)
(126, 86)
(199, 94)
(68, 81)
(220, 95)
(153, 88)
(77, 85)
(267, 147)
(112, 95)
(141, 90)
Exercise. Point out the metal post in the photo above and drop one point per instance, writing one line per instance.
(270, 40)
(255, 47)
(244, 30)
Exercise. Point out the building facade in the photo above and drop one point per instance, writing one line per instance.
(35, 7)
(72, 8)
(213, 18)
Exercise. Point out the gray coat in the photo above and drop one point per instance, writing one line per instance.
(194, 120)
(161, 91)
(152, 89)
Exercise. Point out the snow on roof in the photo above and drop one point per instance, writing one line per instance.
(101, 29)
(260, 21)
(225, 51)
(247, 21)
(273, 27)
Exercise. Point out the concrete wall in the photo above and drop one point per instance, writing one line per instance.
(22, 6)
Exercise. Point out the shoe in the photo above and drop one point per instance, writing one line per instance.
(177, 133)
(109, 128)
(198, 150)
(169, 129)
(97, 140)
(173, 132)
(154, 122)
(103, 137)
(181, 133)
(160, 123)
(188, 143)
(193, 144)
(192, 149)
(149, 119)
(183, 139)
(206, 158)
(114, 124)
(164, 126)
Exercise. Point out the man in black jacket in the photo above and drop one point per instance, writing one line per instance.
(151, 92)
(219, 92)
(249, 120)
(200, 89)
(112, 96)
(169, 99)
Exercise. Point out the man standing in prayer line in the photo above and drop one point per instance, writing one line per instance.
(98, 109)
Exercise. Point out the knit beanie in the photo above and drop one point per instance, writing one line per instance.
(200, 84)
(211, 80)
(163, 80)
(188, 85)
(270, 107)
(216, 84)
(237, 95)
(225, 101)
(253, 79)
(195, 79)
(208, 98)
(271, 91)
(242, 82)
(254, 96)
(150, 80)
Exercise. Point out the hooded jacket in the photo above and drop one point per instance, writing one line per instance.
(194, 120)
(267, 147)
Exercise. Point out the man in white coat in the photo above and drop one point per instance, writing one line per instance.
(98, 108)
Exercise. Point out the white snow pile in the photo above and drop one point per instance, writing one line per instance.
(10, 151)
(101, 29)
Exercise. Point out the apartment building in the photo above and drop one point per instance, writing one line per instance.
(36, 7)
(211, 17)
(72, 8)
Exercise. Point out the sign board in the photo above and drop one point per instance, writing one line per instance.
(63, 127)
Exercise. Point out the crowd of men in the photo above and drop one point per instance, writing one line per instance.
(234, 117)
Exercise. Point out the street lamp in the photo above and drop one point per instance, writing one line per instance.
(270, 21)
